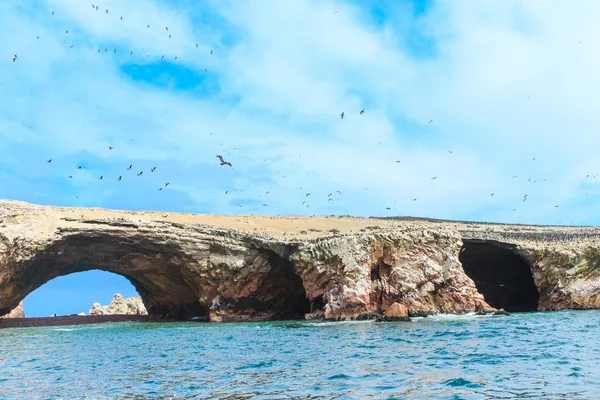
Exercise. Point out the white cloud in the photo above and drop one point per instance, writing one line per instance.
(507, 81)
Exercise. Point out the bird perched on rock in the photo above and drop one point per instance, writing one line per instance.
(223, 162)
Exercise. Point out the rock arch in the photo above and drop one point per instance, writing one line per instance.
(209, 276)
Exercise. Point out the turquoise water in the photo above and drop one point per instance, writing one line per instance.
(539, 355)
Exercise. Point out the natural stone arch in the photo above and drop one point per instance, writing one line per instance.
(212, 276)
(152, 268)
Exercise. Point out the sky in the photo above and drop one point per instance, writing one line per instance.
(494, 99)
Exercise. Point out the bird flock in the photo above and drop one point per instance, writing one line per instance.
(225, 163)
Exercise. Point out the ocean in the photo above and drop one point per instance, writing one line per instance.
(554, 355)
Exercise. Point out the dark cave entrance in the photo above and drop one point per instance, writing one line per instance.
(280, 293)
(500, 275)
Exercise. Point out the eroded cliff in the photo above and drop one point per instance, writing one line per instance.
(228, 268)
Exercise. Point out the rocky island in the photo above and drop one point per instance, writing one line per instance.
(251, 267)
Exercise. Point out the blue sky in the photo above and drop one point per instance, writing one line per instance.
(503, 81)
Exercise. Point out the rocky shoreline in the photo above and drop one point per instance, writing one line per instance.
(251, 268)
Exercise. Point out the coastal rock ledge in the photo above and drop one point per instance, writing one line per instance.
(246, 268)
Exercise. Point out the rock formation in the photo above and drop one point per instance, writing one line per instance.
(16, 312)
(120, 306)
(232, 268)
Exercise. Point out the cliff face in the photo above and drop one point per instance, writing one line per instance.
(260, 268)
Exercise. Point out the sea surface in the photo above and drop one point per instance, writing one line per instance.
(525, 356)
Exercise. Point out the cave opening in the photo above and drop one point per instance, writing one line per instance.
(501, 275)
(281, 292)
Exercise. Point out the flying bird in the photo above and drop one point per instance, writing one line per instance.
(140, 174)
(110, 147)
(153, 169)
(211, 52)
(492, 194)
(101, 177)
(387, 208)
(362, 111)
(342, 115)
(415, 199)
(398, 162)
(50, 160)
(15, 58)
(434, 177)
(120, 178)
(79, 167)
(167, 28)
(67, 32)
(166, 184)
(160, 188)
(121, 18)
(223, 162)
(307, 194)
(130, 166)
(70, 176)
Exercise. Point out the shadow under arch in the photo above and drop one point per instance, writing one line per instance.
(152, 267)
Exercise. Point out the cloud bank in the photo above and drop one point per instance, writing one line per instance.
(467, 93)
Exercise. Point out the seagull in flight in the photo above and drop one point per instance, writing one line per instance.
(362, 111)
(223, 162)
(342, 115)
